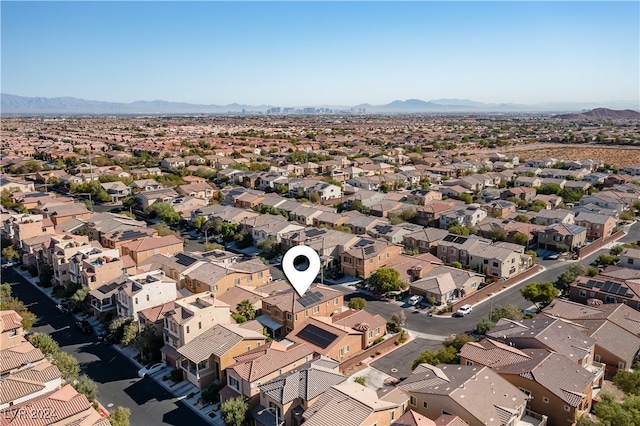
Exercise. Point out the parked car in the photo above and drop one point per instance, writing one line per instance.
(84, 326)
(151, 368)
(414, 300)
(8, 264)
(64, 308)
(464, 310)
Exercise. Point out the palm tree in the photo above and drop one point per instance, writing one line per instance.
(246, 309)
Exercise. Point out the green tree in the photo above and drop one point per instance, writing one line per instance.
(67, 364)
(467, 198)
(511, 312)
(616, 250)
(357, 303)
(164, 211)
(199, 221)
(269, 245)
(80, 298)
(385, 187)
(120, 416)
(520, 238)
(10, 253)
(537, 206)
(458, 341)
(610, 412)
(456, 264)
(45, 275)
(445, 355)
(550, 189)
(629, 381)
(129, 333)
(163, 230)
(87, 387)
(44, 342)
(238, 318)
(606, 259)
(14, 304)
(246, 309)
(541, 294)
(234, 411)
(385, 280)
(459, 230)
(572, 272)
(314, 197)
(484, 325)
(498, 234)
(522, 218)
(148, 342)
(5, 290)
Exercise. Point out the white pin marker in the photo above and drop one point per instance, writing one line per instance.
(301, 265)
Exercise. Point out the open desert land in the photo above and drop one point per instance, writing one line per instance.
(616, 155)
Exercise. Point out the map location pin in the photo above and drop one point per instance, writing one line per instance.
(301, 265)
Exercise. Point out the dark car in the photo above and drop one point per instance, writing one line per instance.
(84, 326)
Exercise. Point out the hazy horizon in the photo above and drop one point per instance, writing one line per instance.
(323, 53)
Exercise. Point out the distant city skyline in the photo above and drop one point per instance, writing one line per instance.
(323, 53)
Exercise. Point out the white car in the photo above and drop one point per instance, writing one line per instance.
(464, 310)
(414, 300)
(151, 368)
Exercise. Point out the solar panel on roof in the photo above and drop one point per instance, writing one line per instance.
(314, 232)
(622, 291)
(363, 243)
(369, 250)
(317, 336)
(183, 259)
(311, 298)
(606, 287)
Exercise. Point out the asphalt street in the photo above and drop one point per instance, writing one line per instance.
(116, 376)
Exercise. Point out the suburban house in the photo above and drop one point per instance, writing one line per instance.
(205, 358)
(261, 365)
(218, 278)
(97, 268)
(305, 385)
(362, 405)
(612, 325)
(630, 258)
(286, 311)
(571, 236)
(190, 317)
(606, 290)
(147, 198)
(597, 225)
(437, 390)
(553, 217)
(469, 215)
(444, 283)
(116, 189)
(373, 327)
(169, 163)
(551, 380)
(500, 208)
(198, 190)
(520, 192)
(367, 256)
(144, 291)
(143, 248)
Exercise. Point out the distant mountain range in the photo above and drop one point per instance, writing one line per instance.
(606, 113)
(12, 104)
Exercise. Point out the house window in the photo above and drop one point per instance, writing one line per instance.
(147, 297)
(495, 264)
(583, 293)
(413, 401)
(425, 404)
(371, 261)
(630, 261)
(276, 313)
(621, 365)
(248, 348)
(608, 299)
(202, 365)
(377, 330)
(260, 274)
(596, 358)
(469, 362)
(199, 325)
(316, 309)
(267, 307)
(335, 302)
(234, 383)
(187, 329)
(12, 333)
(249, 277)
(370, 334)
(393, 415)
(236, 281)
(295, 317)
(288, 329)
(346, 259)
(136, 300)
(545, 399)
(288, 316)
(306, 313)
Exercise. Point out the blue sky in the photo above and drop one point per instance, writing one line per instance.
(314, 53)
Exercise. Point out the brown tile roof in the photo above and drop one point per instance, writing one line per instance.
(65, 403)
(556, 373)
(411, 418)
(27, 382)
(449, 420)
(492, 353)
(18, 355)
(352, 403)
(354, 319)
(150, 243)
(218, 340)
(269, 358)
(156, 313)
(288, 301)
(9, 320)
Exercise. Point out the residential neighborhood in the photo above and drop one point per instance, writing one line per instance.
(163, 238)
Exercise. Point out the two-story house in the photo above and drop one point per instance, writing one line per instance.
(218, 278)
(367, 256)
(143, 291)
(190, 317)
(597, 225)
